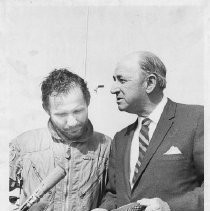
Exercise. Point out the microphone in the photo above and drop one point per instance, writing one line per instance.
(50, 181)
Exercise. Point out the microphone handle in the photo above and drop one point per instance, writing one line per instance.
(49, 182)
(29, 202)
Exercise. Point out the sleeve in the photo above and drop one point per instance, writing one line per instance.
(15, 168)
(194, 200)
(109, 200)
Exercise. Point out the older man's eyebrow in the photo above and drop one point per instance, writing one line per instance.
(116, 77)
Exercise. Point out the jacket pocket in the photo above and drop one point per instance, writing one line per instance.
(90, 193)
(98, 168)
(91, 165)
(40, 178)
(172, 157)
(32, 180)
(89, 187)
(36, 173)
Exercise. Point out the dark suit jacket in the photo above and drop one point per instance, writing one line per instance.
(175, 178)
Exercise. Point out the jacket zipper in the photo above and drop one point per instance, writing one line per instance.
(67, 182)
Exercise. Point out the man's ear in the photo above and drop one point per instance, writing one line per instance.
(151, 83)
(45, 108)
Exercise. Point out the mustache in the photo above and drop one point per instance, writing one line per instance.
(76, 127)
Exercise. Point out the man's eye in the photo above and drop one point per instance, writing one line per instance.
(122, 81)
(61, 115)
(77, 111)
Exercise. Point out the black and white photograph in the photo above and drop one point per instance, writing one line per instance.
(102, 105)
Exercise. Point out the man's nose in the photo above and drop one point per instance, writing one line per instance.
(114, 88)
(71, 121)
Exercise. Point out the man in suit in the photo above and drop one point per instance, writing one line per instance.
(158, 160)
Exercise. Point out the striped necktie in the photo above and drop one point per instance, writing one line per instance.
(143, 144)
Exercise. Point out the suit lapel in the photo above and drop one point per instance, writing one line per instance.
(164, 124)
(126, 154)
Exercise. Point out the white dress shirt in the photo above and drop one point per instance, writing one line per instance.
(134, 153)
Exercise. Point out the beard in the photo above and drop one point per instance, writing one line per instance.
(76, 133)
(73, 133)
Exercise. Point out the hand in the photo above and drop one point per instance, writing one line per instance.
(155, 204)
(99, 209)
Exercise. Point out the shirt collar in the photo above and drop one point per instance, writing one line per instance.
(156, 113)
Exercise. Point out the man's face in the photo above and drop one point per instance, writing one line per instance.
(69, 112)
(129, 86)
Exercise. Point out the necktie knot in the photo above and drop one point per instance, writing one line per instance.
(146, 122)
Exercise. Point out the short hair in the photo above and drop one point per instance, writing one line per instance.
(61, 81)
(150, 63)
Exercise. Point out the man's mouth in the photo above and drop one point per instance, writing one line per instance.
(119, 99)
(73, 130)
